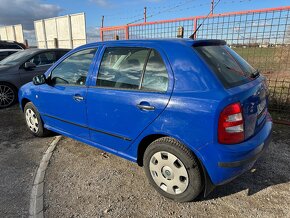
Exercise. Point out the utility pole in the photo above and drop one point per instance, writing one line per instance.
(145, 14)
(102, 24)
(212, 6)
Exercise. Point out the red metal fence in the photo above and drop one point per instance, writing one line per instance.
(262, 37)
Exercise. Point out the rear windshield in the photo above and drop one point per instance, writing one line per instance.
(231, 69)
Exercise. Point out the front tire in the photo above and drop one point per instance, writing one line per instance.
(172, 170)
(33, 121)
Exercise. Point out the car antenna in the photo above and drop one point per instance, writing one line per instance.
(211, 10)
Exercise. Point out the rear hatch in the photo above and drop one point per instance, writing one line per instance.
(243, 83)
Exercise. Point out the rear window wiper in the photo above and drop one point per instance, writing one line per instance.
(255, 74)
(235, 70)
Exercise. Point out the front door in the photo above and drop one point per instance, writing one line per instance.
(131, 90)
(63, 99)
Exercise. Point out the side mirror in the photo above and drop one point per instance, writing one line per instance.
(29, 65)
(39, 80)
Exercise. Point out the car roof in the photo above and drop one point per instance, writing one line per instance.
(34, 51)
(2, 50)
(187, 42)
(48, 49)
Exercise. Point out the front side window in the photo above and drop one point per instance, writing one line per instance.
(133, 68)
(44, 58)
(74, 69)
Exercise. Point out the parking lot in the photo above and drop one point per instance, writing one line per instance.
(82, 181)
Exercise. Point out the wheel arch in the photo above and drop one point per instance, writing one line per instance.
(24, 101)
(144, 143)
(147, 140)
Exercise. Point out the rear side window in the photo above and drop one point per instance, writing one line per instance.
(44, 58)
(132, 68)
(155, 76)
(231, 69)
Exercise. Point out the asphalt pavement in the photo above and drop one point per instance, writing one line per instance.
(20, 154)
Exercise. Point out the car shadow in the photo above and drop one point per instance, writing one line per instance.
(271, 169)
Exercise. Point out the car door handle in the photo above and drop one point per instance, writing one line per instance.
(146, 107)
(78, 98)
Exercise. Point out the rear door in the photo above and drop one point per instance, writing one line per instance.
(132, 88)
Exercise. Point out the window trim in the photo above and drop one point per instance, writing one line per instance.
(144, 69)
(127, 89)
(142, 74)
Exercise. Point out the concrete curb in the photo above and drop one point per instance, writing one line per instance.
(36, 197)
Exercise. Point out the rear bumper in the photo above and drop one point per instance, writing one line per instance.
(226, 162)
(240, 163)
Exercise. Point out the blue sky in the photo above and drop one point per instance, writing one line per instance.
(123, 12)
(116, 12)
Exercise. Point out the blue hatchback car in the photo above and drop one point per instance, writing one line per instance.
(193, 113)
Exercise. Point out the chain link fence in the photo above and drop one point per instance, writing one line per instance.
(262, 37)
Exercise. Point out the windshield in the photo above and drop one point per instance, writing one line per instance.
(17, 58)
(230, 68)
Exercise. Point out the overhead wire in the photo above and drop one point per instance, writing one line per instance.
(168, 9)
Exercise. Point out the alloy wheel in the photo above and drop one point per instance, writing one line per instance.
(7, 96)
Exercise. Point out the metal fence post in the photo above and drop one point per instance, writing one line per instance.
(195, 26)
(55, 43)
(127, 32)
(44, 33)
(102, 34)
(70, 31)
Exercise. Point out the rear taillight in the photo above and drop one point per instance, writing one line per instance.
(231, 125)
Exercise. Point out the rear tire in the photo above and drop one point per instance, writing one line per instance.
(8, 95)
(172, 170)
(34, 122)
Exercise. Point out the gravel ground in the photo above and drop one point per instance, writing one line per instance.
(20, 154)
(82, 181)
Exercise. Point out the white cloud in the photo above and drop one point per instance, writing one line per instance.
(25, 12)
(102, 3)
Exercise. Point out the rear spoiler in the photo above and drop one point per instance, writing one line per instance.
(208, 42)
